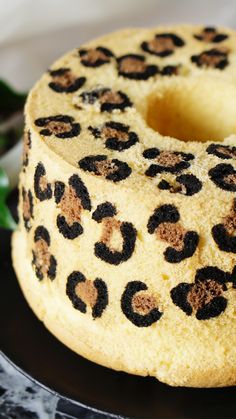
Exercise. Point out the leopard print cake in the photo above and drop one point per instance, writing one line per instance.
(126, 247)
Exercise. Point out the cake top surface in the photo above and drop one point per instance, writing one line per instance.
(171, 88)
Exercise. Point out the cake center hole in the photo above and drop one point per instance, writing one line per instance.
(197, 109)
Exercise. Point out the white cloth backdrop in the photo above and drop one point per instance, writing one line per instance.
(34, 32)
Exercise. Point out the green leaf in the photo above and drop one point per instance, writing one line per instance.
(11, 101)
(3, 140)
(3, 143)
(6, 219)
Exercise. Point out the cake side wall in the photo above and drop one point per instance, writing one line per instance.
(114, 339)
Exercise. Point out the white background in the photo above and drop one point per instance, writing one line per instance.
(35, 32)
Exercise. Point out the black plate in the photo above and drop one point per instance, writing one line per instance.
(37, 354)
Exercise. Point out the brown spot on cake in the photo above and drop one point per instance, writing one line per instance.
(133, 66)
(203, 293)
(230, 179)
(117, 136)
(213, 58)
(57, 127)
(42, 256)
(224, 233)
(205, 297)
(105, 168)
(71, 206)
(211, 34)
(168, 159)
(62, 126)
(95, 57)
(109, 132)
(163, 44)
(87, 292)
(143, 303)
(173, 234)
(43, 261)
(230, 220)
(110, 225)
(65, 81)
(111, 97)
(26, 147)
(43, 183)
(160, 44)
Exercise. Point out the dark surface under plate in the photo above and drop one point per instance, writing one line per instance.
(27, 344)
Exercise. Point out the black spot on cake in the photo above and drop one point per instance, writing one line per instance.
(59, 191)
(114, 170)
(165, 224)
(42, 188)
(71, 200)
(138, 305)
(211, 34)
(224, 176)
(214, 58)
(166, 161)
(108, 99)
(163, 44)
(116, 135)
(122, 251)
(222, 151)
(43, 261)
(64, 81)
(186, 184)
(84, 293)
(103, 211)
(224, 233)
(205, 297)
(26, 147)
(133, 66)
(69, 231)
(42, 233)
(233, 277)
(81, 191)
(170, 70)
(95, 57)
(28, 208)
(62, 126)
